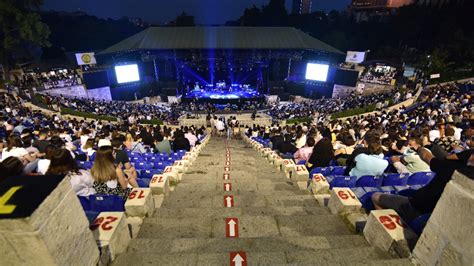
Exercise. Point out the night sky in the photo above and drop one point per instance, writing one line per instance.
(160, 11)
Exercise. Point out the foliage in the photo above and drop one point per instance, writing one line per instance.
(299, 120)
(152, 122)
(355, 111)
(20, 30)
(68, 111)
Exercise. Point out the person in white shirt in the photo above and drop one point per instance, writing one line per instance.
(191, 137)
(15, 149)
(62, 163)
(220, 125)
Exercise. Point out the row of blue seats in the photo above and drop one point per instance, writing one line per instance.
(95, 204)
(337, 180)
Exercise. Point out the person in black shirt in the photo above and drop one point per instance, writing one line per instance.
(180, 142)
(41, 143)
(287, 147)
(277, 139)
(425, 199)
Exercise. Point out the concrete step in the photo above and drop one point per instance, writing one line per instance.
(360, 256)
(248, 226)
(272, 244)
(219, 191)
(204, 201)
(237, 212)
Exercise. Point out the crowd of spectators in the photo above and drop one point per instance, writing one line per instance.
(379, 74)
(436, 134)
(50, 80)
(33, 143)
(320, 108)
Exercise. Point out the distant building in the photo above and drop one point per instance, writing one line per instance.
(302, 6)
(363, 10)
(439, 3)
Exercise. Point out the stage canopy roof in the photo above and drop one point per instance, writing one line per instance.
(171, 38)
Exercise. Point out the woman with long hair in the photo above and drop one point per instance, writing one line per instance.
(108, 177)
(62, 163)
(11, 166)
(323, 154)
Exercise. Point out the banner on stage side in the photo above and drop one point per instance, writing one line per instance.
(355, 57)
(86, 59)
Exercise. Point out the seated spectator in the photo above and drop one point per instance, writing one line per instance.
(190, 136)
(43, 163)
(121, 158)
(62, 163)
(425, 199)
(88, 148)
(300, 139)
(305, 152)
(277, 139)
(287, 146)
(15, 149)
(447, 143)
(180, 142)
(12, 166)
(109, 177)
(322, 154)
(369, 160)
(162, 145)
(411, 162)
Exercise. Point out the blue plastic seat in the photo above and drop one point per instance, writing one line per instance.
(144, 166)
(420, 178)
(150, 173)
(86, 205)
(91, 215)
(333, 163)
(407, 192)
(325, 171)
(369, 181)
(343, 181)
(395, 179)
(338, 170)
(106, 203)
(84, 165)
(419, 223)
(303, 162)
(143, 182)
(136, 159)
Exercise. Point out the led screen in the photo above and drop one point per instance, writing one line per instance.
(317, 72)
(127, 73)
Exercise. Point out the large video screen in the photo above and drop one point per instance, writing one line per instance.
(127, 73)
(317, 72)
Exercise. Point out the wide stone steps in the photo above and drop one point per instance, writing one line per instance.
(264, 244)
(249, 226)
(278, 224)
(238, 211)
(240, 201)
(350, 256)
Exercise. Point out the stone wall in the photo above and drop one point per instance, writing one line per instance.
(448, 238)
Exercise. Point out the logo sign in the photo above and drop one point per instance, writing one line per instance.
(238, 258)
(232, 227)
(228, 201)
(227, 187)
(226, 176)
(85, 59)
(355, 57)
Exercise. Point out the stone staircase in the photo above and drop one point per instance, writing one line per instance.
(276, 222)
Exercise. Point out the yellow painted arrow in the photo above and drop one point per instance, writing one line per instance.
(5, 208)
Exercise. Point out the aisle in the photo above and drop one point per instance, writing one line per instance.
(233, 207)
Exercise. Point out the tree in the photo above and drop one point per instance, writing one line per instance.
(19, 27)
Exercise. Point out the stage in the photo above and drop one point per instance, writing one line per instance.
(232, 94)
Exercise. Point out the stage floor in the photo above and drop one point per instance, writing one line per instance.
(236, 93)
